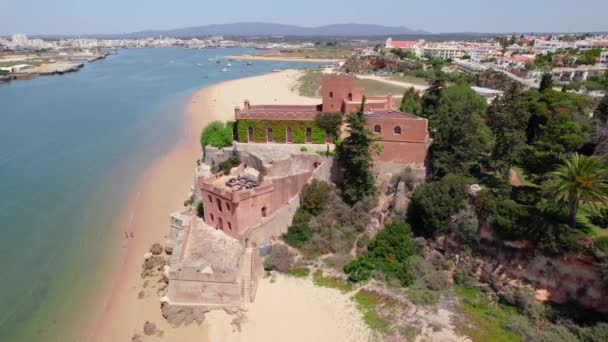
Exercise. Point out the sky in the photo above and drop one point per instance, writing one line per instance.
(123, 16)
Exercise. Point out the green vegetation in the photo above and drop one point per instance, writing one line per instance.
(330, 282)
(303, 149)
(32, 62)
(460, 135)
(217, 134)
(280, 259)
(410, 79)
(314, 196)
(331, 51)
(410, 103)
(579, 179)
(371, 305)
(200, 209)
(355, 155)
(484, 321)
(377, 88)
(330, 122)
(309, 83)
(433, 204)
(279, 131)
(387, 256)
(299, 272)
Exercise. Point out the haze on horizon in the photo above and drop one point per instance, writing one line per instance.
(74, 17)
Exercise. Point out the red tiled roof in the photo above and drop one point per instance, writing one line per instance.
(279, 112)
(403, 44)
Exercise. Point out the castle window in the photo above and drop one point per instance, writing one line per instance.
(289, 135)
(219, 204)
(229, 226)
(264, 213)
(331, 94)
(308, 135)
(350, 96)
(377, 129)
(212, 218)
(210, 199)
(250, 134)
(397, 130)
(227, 206)
(269, 134)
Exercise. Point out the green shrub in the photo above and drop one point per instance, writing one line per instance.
(314, 196)
(217, 134)
(200, 209)
(299, 272)
(388, 252)
(297, 234)
(303, 149)
(433, 204)
(334, 283)
(233, 161)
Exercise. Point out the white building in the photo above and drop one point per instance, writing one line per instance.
(445, 51)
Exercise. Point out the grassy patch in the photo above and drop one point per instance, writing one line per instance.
(372, 305)
(32, 62)
(300, 272)
(410, 79)
(309, 84)
(483, 320)
(334, 283)
(423, 296)
(377, 88)
(325, 52)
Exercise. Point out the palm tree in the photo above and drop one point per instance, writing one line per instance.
(580, 179)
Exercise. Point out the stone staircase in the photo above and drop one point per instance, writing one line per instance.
(247, 275)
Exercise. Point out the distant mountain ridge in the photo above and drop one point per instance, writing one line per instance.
(271, 29)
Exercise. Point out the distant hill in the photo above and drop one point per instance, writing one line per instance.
(269, 29)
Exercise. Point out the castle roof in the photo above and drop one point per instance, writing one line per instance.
(279, 112)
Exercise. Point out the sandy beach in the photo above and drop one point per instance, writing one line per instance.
(284, 310)
(282, 59)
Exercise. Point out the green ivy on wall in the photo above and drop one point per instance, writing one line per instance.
(279, 131)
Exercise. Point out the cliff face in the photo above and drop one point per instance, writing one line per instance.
(557, 279)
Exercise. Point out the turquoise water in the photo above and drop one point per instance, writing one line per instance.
(72, 147)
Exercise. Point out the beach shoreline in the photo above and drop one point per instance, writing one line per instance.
(163, 188)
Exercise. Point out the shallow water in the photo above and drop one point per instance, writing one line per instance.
(72, 147)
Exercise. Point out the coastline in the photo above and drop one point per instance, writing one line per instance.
(282, 59)
(162, 190)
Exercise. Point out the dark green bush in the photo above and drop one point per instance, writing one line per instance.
(434, 204)
(200, 210)
(314, 196)
(600, 217)
(388, 252)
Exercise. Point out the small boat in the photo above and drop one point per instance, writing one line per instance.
(218, 61)
(211, 59)
(249, 63)
(229, 65)
(224, 70)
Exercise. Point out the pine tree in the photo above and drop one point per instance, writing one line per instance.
(546, 82)
(508, 118)
(355, 155)
(411, 102)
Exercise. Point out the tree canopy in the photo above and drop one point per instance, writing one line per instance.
(217, 134)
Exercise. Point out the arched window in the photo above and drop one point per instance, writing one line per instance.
(269, 134)
(229, 225)
(289, 135)
(377, 129)
(250, 134)
(264, 213)
(331, 94)
(397, 130)
(350, 96)
(219, 204)
(227, 206)
(212, 218)
(210, 199)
